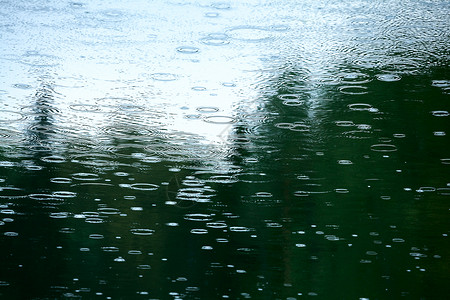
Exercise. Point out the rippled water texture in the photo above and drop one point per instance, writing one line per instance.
(224, 150)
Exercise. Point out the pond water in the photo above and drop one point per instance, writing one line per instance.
(224, 150)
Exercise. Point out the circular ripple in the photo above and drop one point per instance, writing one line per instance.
(354, 78)
(53, 159)
(164, 76)
(353, 90)
(10, 116)
(358, 134)
(143, 186)
(216, 39)
(383, 148)
(249, 33)
(440, 113)
(188, 49)
(219, 119)
(207, 109)
(360, 106)
(98, 160)
(299, 127)
(388, 77)
(142, 231)
(85, 176)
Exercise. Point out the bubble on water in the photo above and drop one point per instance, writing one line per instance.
(119, 259)
(188, 49)
(341, 191)
(440, 113)
(142, 231)
(388, 77)
(219, 119)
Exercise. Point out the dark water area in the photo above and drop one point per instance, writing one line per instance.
(224, 150)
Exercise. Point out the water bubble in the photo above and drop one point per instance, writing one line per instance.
(345, 162)
(119, 259)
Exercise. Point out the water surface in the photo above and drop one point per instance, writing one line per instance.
(209, 150)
